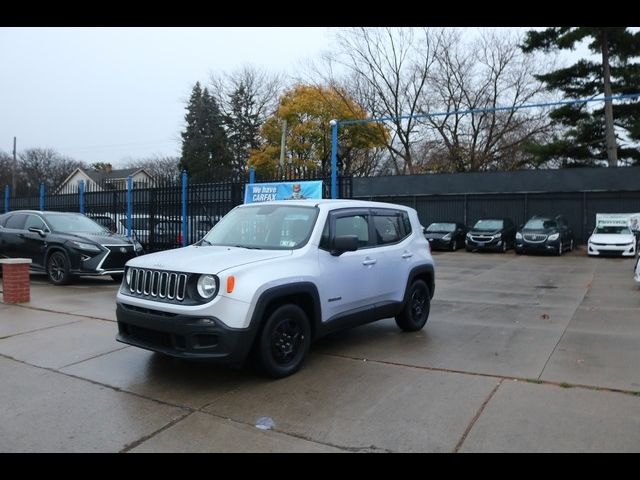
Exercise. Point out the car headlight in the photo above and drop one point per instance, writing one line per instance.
(447, 237)
(207, 286)
(90, 247)
(497, 236)
(468, 235)
(554, 236)
(518, 236)
(127, 277)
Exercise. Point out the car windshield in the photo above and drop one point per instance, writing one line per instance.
(613, 229)
(540, 224)
(441, 227)
(271, 227)
(488, 225)
(73, 223)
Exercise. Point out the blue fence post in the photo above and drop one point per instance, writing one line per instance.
(81, 196)
(184, 208)
(7, 191)
(334, 158)
(41, 196)
(252, 175)
(129, 205)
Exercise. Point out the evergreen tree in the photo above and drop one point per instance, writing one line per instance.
(590, 136)
(205, 155)
(243, 127)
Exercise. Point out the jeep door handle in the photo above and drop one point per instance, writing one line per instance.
(369, 261)
(407, 255)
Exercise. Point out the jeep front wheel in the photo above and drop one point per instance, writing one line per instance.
(415, 312)
(284, 341)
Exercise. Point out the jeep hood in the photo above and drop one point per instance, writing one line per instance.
(610, 238)
(210, 259)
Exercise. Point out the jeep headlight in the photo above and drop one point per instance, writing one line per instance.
(554, 236)
(518, 236)
(207, 286)
(127, 277)
(89, 247)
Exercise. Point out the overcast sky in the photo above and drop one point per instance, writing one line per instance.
(111, 94)
(105, 94)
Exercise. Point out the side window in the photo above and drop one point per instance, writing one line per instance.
(16, 221)
(354, 225)
(407, 223)
(33, 221)
(388, 229)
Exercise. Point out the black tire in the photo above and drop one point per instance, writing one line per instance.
(504, 247)
(559, 251)
(571, 245)
(284, 341)
(58, 269)
(117, 277)
(454, 246)
(415, 313)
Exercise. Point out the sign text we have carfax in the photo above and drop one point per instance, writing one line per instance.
(266, 192)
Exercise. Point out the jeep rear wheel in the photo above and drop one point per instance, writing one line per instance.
(415, 312)
(284, 341)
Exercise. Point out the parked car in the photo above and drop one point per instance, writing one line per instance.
(612, 240)
(446, 235)
(64, 244)
(491, 234)
(545, 234)
(271, 277)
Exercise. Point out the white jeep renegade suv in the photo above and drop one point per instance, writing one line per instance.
(271, 277)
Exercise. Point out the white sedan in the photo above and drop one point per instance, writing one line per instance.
(612, 240)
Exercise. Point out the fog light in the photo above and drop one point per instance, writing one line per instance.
(205, 321)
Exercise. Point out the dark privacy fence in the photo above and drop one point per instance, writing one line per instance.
(156, 209)
(578, 194)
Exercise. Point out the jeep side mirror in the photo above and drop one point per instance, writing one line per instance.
(344, 243)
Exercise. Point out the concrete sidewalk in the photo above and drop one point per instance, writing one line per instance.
(520, 354)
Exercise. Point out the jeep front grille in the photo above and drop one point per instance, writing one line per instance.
(156, 284)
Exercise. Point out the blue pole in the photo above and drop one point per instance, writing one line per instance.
(41, 196)
(6, 198)
(252, 175)
(184, 208)
(129, 205)
(334, 158)
(81, 196)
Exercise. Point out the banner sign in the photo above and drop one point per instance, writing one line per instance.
(631, 220)
(266, 192)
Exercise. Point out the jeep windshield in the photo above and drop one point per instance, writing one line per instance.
(269, 227)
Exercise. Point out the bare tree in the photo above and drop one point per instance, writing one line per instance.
(161, 167)
(44, 165)
(482, 74)
(389, 70)
(6, 169)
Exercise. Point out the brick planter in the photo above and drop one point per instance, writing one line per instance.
(15, 280)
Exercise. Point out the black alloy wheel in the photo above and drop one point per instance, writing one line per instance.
(285, 341)
(415, 313)
(58, 268)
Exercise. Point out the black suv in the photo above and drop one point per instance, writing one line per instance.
(545, 234)
(496, 234)
(65, 244)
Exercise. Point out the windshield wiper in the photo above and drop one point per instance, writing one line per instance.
(247, 247)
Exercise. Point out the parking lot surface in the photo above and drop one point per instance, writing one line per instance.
(520, 354)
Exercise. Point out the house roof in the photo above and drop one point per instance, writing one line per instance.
(101, 176)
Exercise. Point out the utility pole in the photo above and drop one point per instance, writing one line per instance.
(14, 169)
(610, 135)
(283, 142)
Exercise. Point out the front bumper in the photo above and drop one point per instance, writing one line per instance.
(439, 244)
(182, 336)
(611, 250)
(549, 246)
(489, 245)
